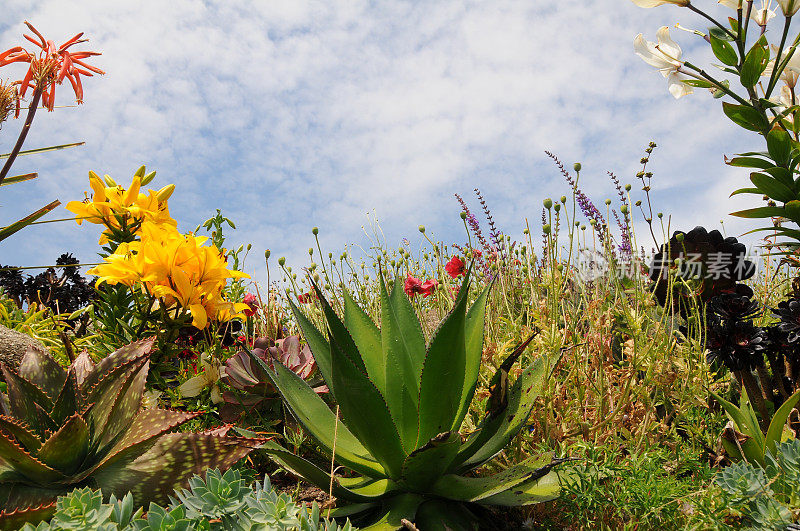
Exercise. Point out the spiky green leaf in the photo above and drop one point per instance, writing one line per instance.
(425, 465)
(67, 448)
(367, 338)
(40, 369)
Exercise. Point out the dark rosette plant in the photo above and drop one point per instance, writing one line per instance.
(705, 265)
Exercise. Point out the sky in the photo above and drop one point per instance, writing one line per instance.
(288, 115)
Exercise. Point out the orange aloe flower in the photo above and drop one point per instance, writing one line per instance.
(51, 66)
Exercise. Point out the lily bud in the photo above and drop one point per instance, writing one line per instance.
(165, 193)
(789, 7)
(148, 178)
(109, 181)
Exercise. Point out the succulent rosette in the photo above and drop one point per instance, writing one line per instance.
(62, 429)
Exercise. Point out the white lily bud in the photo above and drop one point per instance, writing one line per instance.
(655, 3)
(789, 7)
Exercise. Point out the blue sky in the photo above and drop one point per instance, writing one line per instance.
(293, 114)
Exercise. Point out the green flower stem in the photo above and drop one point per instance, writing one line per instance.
(773, 79)
(37, 94)
(710, 18)
(704, 76)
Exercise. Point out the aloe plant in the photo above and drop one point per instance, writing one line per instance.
(402, 403)
(61, 429)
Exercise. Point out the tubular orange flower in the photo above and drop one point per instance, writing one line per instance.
(51, 66)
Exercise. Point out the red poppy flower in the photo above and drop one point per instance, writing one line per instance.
(455, 267)
(304, 298)
(251, 301)
(413, 286)
(51, 66)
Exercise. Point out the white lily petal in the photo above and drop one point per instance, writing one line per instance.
(193, 386)
(647, 51)
(677, 87)
(668, 47)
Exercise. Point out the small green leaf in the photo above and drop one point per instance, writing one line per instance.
(746, 191)
(750, 162)
(723, 50)
(754, 63)
(17, 226)
(19, 178)
(745, 116)
(778, 422)
(67, 448)
(759, 212)
(697, 83)
(772, 187)
(779, 145)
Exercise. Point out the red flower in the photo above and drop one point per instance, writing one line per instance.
(305, 298)
(455, 267)
(51, 66)
(414, 285)
(252, 302)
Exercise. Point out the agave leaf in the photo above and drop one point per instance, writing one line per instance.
(21, 432)
(320, 422)
(43, 371)
(349, 510)
(440, 389)
(441, 515)
(172, 460)
(403, 350)
(317, 343)
(114, 361)
(367, 338)
(125, 406)
(24, 463)
(362, 489)
(66, 449)
(498, 428)
(469, 489)
(534, 490)
(474, 350)
(395, 510)
(365, 413)
(144, 430)
(424, 466)
(338, 331)
(12, 519)
(746, 425)
(778, 422)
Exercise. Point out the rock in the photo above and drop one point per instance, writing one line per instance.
(14, 345)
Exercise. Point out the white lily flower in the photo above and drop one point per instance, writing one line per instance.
(760, 15)
(666, 57)
(791, 72)
(655, 3)
(789, 7)
(785, 101)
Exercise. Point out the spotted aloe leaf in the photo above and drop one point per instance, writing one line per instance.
(85, 426)
(16, 518)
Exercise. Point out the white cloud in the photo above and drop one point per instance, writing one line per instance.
(292, 114)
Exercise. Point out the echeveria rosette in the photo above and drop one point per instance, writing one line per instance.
(402, 403)
(252, 385)
(61, 429)
(698, 249)
(789, 325)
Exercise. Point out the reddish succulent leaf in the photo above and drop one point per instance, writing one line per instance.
(40, 369)
(15, 519)
(68, 401)
(170, 463)
(27, 401)
(122, 356)
(147, 426)
(82, 367)
(24, 436)
(108, 392)
(125, 406)
(25, 464)
(67, 448)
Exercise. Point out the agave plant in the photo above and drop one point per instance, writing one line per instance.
(253, 384)
(402, 404)
(62, 429)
